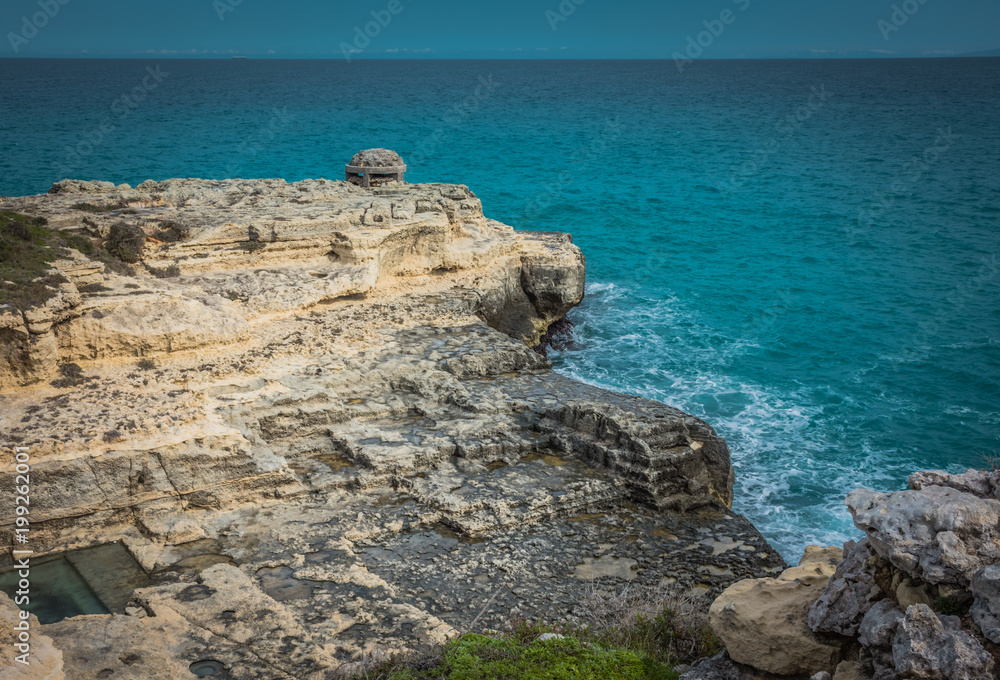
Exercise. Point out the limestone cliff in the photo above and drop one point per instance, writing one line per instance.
(327, 393)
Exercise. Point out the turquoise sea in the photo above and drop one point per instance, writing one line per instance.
(803, 253)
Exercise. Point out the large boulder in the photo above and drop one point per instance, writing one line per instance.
(986, 606)
(763, 622)
(929, 647)
(937, 534)
(850, 593)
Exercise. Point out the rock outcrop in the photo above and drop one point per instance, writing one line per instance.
(916, 599)
(314, 407)
(762, 622)
(937, 534)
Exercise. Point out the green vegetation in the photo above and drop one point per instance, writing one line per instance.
(97, 209)
(253, 246)
(72, 376)
(634, 634)
(478, 657)
(27, 249)
(146, 365)
(951, 606)
(172, 232)
(126, 241)
(170, 272)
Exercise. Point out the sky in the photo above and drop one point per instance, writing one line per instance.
(601, 29)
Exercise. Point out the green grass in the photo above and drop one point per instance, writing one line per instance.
(27, 249)
(478, 657)
(634, 646)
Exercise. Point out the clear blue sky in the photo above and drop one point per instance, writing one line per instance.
(500, 28)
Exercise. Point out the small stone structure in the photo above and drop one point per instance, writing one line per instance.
(375, 167)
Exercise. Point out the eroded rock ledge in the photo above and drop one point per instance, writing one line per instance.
(316, 422)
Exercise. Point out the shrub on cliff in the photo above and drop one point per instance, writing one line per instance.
(27, 249)
(172, 232)
(636, 633)
(126, 241)
(480, 657)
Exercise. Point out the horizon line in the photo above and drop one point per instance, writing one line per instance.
(331, 57)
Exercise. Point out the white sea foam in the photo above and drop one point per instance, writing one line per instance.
(794, 462)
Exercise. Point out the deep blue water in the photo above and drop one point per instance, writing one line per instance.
(804, 253)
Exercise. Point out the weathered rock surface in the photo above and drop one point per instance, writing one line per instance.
(877, 632)
(933, 547)
(763, 621)
(928, 647)
(937, 534)
(849, 595)
(719, 667)
(985, 609)
(339, 405)
(980, 483)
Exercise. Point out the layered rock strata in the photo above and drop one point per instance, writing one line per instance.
(314, 409)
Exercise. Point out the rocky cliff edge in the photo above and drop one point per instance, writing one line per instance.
(311, 410)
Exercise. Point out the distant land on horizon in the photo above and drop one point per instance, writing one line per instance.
(165, 54)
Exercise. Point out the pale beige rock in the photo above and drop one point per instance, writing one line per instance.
(848, 670)
(762, 622)
(907, 594)
(338, 394)
(815, 554)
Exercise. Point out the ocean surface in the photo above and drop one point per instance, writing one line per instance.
(803, 253)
